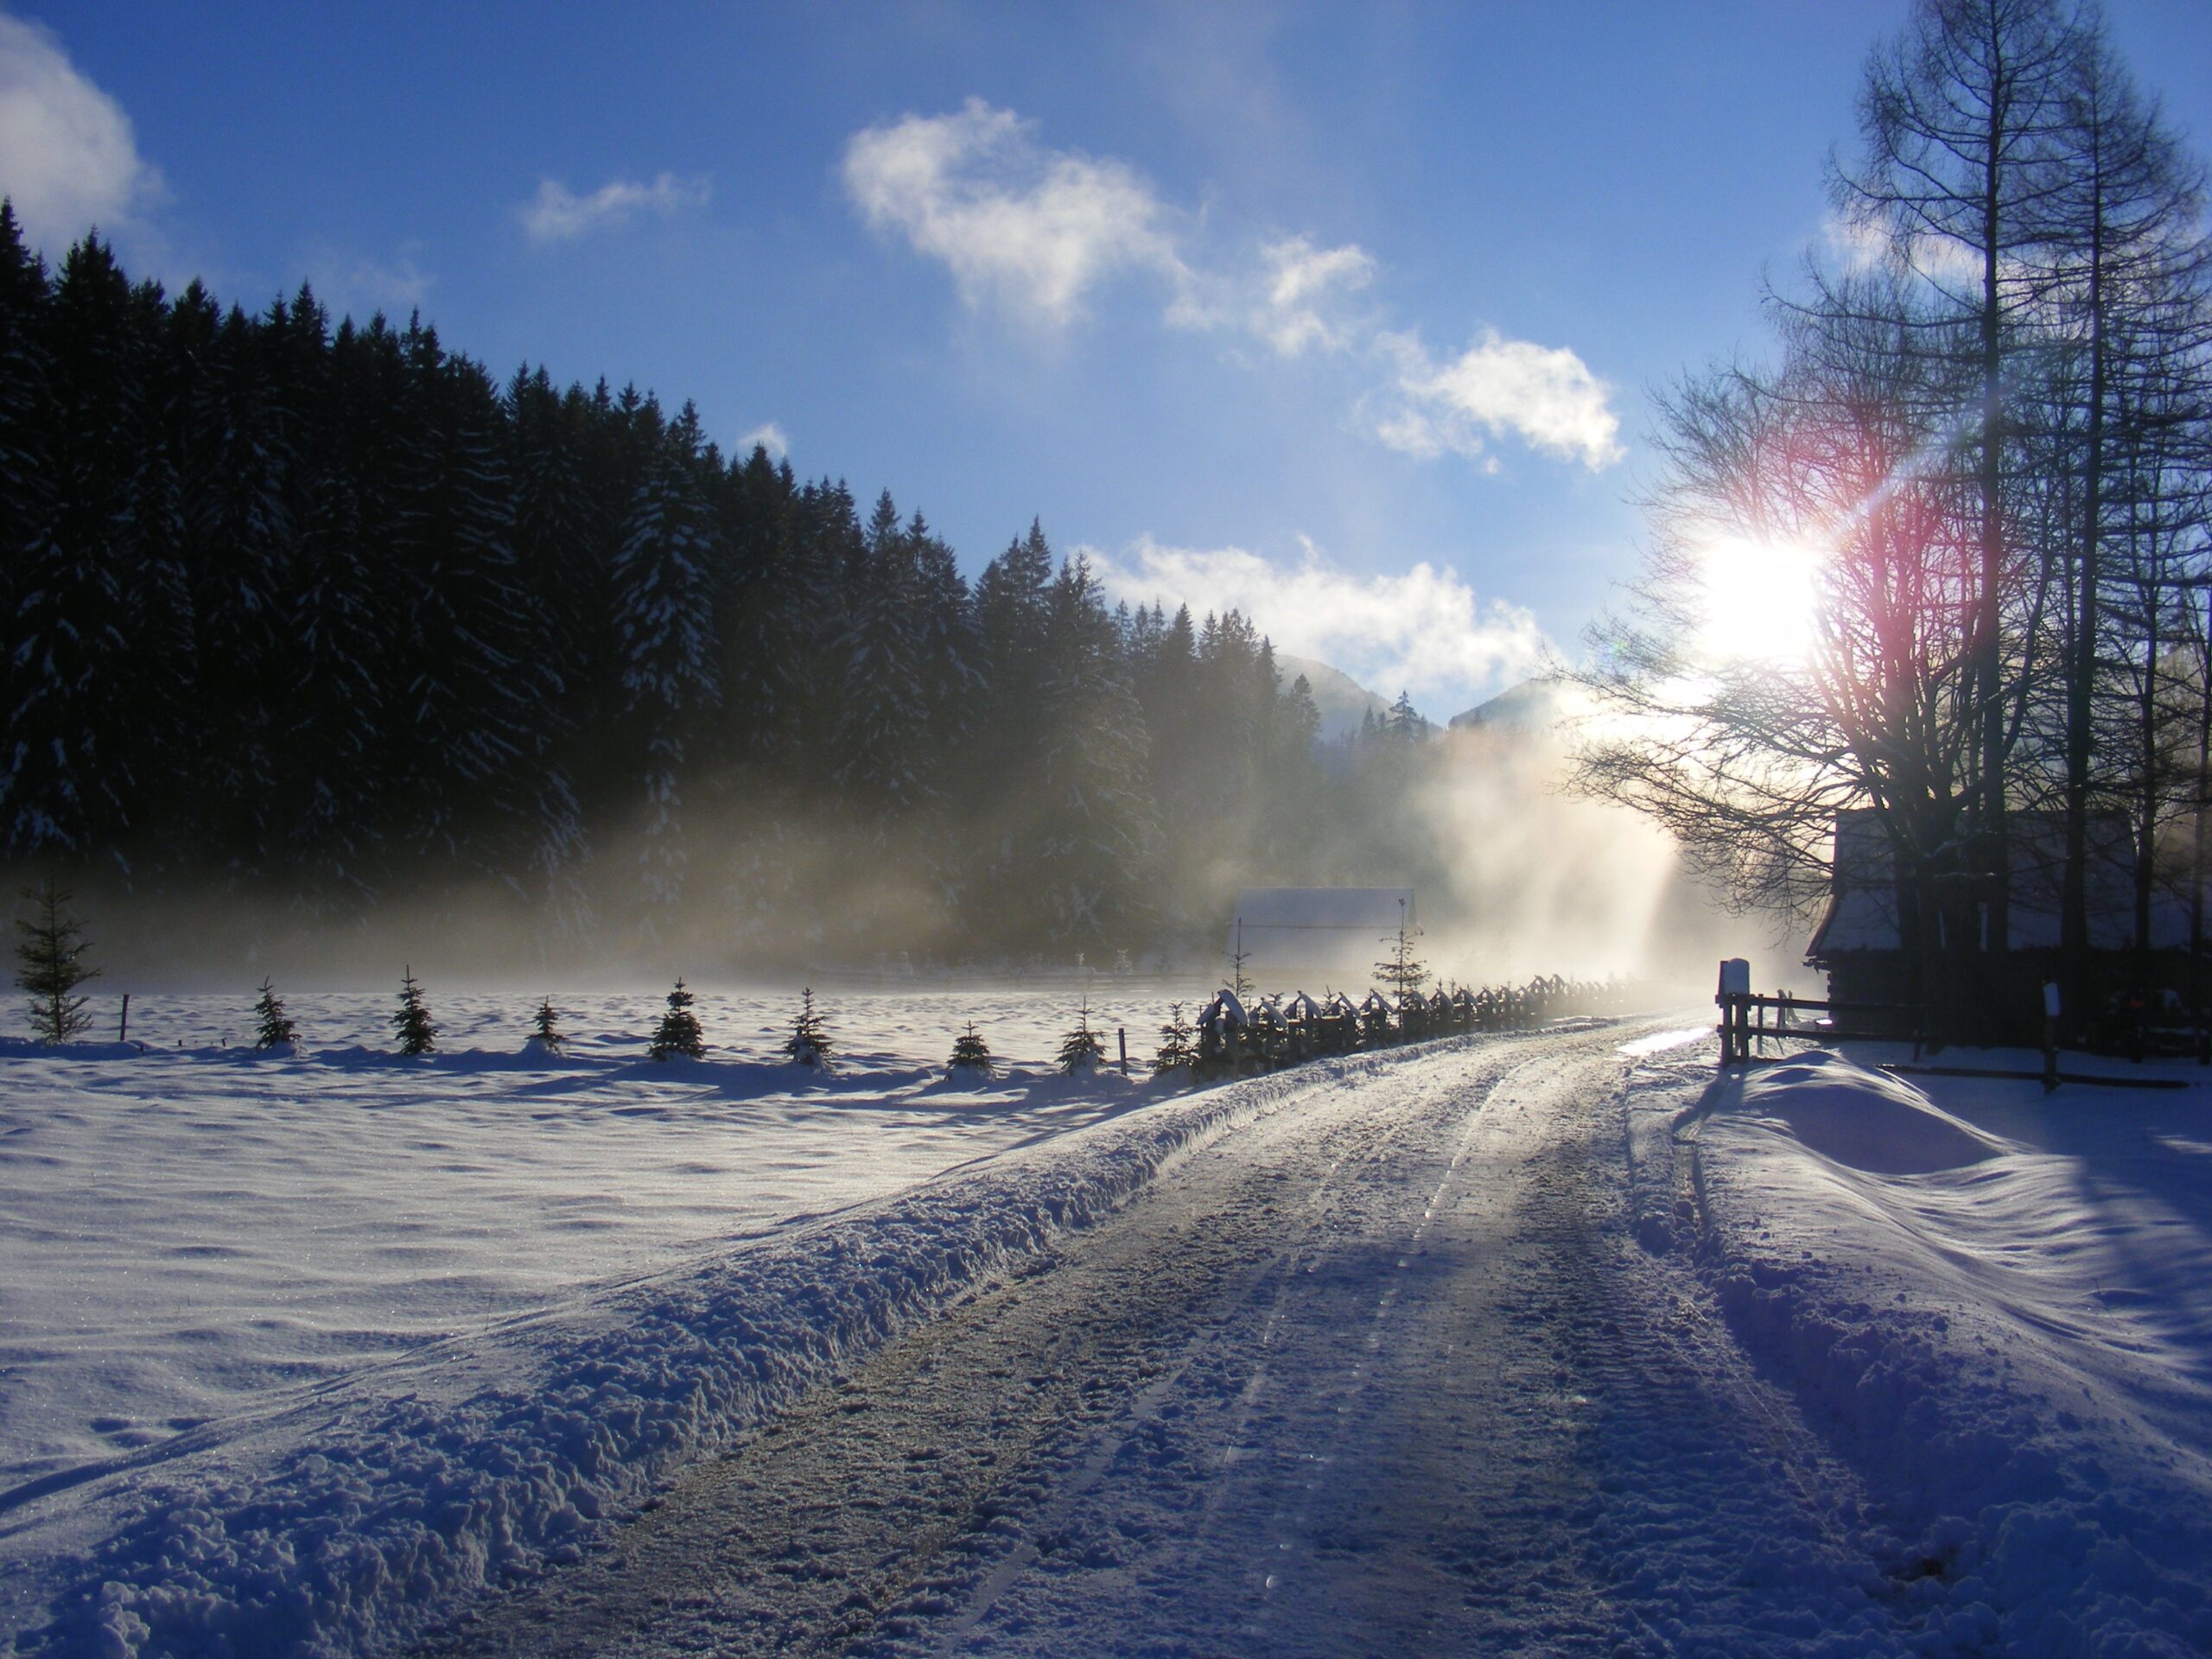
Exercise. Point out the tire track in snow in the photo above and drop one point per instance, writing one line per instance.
(1482, 1423)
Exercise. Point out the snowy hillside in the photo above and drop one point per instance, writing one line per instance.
(1343, 701)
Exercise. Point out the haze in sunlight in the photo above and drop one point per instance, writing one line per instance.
(1760, 599)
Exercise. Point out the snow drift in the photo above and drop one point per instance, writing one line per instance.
(1869, 1122)
(1994, 1308)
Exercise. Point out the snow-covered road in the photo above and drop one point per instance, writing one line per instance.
(1385, 1370)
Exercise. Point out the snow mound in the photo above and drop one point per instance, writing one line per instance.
(1867, 1121)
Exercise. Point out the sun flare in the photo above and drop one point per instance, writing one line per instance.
(1759, 600)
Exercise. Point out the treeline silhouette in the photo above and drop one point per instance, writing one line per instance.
(326, 614)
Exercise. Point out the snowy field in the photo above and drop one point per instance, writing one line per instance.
(301, 1354)
(196, 1228)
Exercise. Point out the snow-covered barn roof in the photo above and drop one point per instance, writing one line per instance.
(1290, 933)
(1862, 913)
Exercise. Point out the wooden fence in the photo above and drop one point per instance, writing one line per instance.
(1744, 1022)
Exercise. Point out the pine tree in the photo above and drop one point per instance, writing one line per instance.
(1404, 723)
(50, 954)
(478, 696)
(546, 1028)
(1093, 830)
(882, 751)
(1402, 971)
(1175, 1053)
(971, 1053)
(1080, 1050)
(679, 1031)
(809, 1042)
(663, 627)
(278, 1029)
(66, 777)
(330, 729)
(416, 1034)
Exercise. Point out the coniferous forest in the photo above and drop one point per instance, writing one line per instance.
(322, 615)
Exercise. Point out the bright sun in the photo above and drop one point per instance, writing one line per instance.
(1759, 600)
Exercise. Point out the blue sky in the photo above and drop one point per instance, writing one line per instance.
(1345, 315)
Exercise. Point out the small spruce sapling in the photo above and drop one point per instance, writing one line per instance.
(278, 1029)
(416, 1034)
(51, 955)
(546, 1028)
(1080, 1050)
(1175, 1053)
(1401, 973)
(971, 1053)
(809, 1043)
(679, 1031)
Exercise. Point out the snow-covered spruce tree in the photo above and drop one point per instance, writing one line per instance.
(244, 400)
(416, 1034)
(276, 1028)
(809, 1042)
(679, 1031)
(1175, 1054)
(478, 697)
(1080, 1050)
(50, 964)
(971, 1053)
(882, 745)
(26, 415)
(65, 777)
(546, 1028)
(331, 765)
(664, 641)
(1095, 829)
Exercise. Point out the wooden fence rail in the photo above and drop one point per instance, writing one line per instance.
(1744, 1022)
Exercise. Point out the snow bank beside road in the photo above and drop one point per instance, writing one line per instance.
(352, 1523)
(1998, 1310)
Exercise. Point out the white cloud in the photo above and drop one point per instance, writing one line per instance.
(768, 435)
(68, 157)
(1859, 243)
(1544, 395)
(1035, 231)
(1031, 228)
(558, 214)
(359, 287)
(1425, 630)
(1303, 291)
